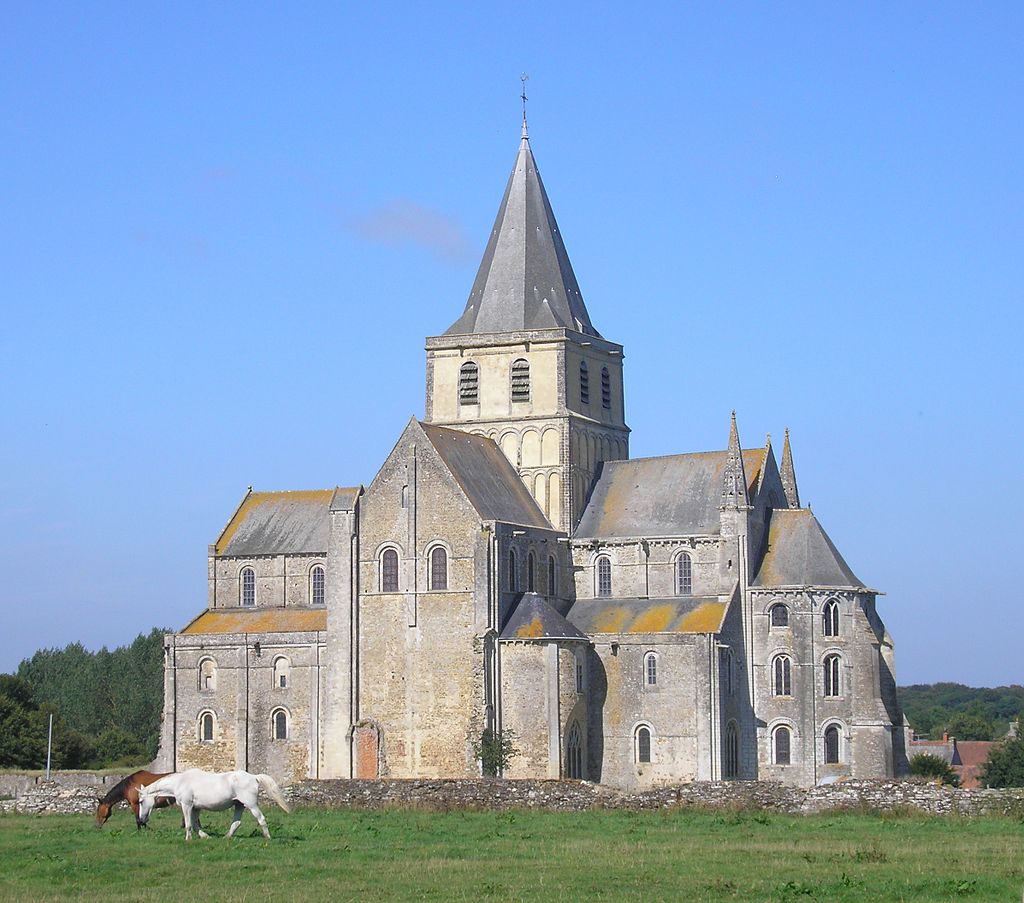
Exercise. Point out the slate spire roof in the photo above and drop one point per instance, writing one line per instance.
(525, 280)
(788, 475)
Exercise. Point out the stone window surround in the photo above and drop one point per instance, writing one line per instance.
(651, 658)
(428, 555)
(312, 583)
(773, 728)
(844, 740)
(211, 685)
(838, 690)
(282, 667)
(200, 720)
(652, 738)
(379, 560)
(280, 710)
(773, 658)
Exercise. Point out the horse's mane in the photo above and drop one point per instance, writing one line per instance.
(116, 793)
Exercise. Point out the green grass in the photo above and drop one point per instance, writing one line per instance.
(421, 855)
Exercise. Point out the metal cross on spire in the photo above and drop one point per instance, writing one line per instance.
(524, 78)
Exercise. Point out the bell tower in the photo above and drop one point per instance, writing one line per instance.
(524, 364)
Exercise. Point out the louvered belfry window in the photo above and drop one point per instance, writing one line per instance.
(469, 383)
(606, 389)
(521, 380)
(584, 383)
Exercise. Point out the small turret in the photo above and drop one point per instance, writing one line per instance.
(734, 478)
(788, 475)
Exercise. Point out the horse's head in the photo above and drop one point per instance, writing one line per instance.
(102, 812)
(147, 799)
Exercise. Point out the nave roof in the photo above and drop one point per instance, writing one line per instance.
(672, 495)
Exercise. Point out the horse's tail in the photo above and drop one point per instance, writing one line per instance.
(270, 785)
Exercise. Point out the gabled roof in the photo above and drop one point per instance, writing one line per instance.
(278, 523)
(534, 619)
(490, 482)
(259, 620)
(676, 614)
(525, 280)
(801, 554)
(672, 495)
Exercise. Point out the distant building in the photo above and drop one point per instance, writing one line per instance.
(631, 621)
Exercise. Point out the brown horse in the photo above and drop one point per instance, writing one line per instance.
(127, 791)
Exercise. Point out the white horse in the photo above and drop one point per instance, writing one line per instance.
(196, 789)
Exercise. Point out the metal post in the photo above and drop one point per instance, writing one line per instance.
(49, 747)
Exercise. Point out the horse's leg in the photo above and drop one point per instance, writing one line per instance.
(187, 813)
(239, 809)
(262, 821)
(196, 826)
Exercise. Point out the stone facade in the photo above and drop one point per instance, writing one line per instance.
(638, 622)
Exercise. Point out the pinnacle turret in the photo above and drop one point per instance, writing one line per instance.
(734, 477)
(788, 474)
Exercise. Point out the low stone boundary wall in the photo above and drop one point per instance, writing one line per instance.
(74, 794)
(67, 791)
(576, 796)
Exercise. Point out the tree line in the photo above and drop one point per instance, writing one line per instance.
(967, 713)
(106, 706)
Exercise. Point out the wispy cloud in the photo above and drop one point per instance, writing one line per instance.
(404, 222)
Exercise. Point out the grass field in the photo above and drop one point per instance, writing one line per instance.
(419, 855)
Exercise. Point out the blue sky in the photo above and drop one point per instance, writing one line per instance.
(226, 231)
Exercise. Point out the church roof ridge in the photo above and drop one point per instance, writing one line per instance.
(525, 280)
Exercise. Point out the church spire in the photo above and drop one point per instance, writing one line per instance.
(525, 280)
(788, 475)
(734, 477)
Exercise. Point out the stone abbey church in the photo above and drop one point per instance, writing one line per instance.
(510, 567)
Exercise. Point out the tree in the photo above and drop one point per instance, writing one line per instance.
(24, 729)
(925, 765)
(495, 750)
(1005, 765)
(972, 724)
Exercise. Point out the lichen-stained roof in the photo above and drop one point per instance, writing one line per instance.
(259, 620)
(801, 554)
(534, 619)
(279, 523)
(678, 614)
(668, 496)
(487, 478)
(344, 498)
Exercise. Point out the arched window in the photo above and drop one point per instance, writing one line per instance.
(830, 675)
(579, 674)
(782, 676)
(779, 615)
(830, 618)
(438, 568)
(389, 571)
(552, 577)
(207, 675)
(651, 669)
(513, 569)
(316, 585)
(728, 672)
(282, 673)
(832, 745)
(731, 763)
(521, 380)
(642, 744)
(606, 389)
(279, 724)
(603, 567)
(684, 575)
(247, 587)
(584, 383)
(574, 753)
(207, 726)
(469, 383)
(781, 746)
(530, 567)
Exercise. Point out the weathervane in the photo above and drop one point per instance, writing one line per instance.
(524, 78)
